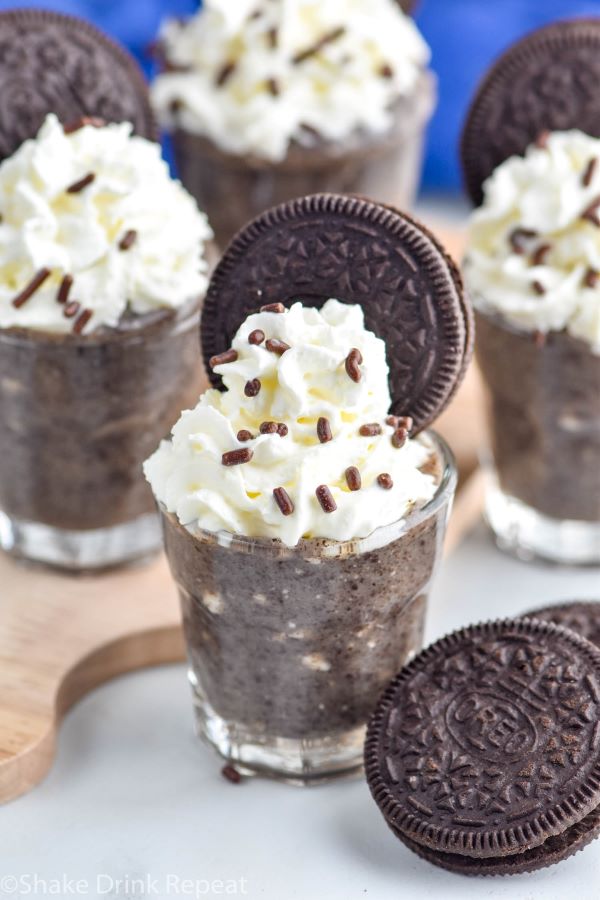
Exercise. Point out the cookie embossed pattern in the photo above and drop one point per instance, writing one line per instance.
(51, 63)
(487, 746)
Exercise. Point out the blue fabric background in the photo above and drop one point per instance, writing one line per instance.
(465, 35)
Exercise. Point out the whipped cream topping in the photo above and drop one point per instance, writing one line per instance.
(534, 244)
(253, 75)
(98, 208)
(306, 389)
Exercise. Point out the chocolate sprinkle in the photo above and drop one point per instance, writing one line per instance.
(252, 387)
(590, 278)
(386, 71)
(225, 73)
(325, 498)
(590, 169)
(275, 346)
(231, 774)
(327, 38)
(78, 186)
(385, 481)
(256, 337)
(64, 289)
(591, 213)
(93, 121)
(82, 321)
(282, 429)
(353, 479)
(399, 438)
(540, 254)
(128, 239)
(244, 435)
(268, 428)
(324, 430)
(71, 309)
(370, 429)
(273, 308)
(30, 289)
(353, 361)
(283, 500)
(236, 457)
(273, 87)
(517, 236)
(538, 287)
(272, 37)
(221, 359)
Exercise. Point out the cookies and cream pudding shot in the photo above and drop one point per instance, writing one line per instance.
(303, 502)
(267, 101)
(532, 267)
(102, 271)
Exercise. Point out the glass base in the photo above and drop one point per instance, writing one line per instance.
(99, 548)
(522, 530)
(294, 761)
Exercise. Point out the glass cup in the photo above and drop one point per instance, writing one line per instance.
(78, 416)
(290, 648)
(234, 189)
(543, 471)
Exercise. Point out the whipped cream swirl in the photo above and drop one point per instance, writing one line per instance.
(534, 244)
(306, 383)
(96, 206)
(253, 75)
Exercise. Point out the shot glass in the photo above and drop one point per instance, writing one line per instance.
(543, 465)
(234, 189)
(290, 648)
(78, 416)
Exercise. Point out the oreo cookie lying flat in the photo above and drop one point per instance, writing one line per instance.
(55, 63)
(356, 251)
(546, 82)
(553, 850)
(581, 616)
(484, 752)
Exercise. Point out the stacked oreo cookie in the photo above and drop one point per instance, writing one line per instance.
(484, 753)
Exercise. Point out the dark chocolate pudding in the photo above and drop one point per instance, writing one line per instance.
(544, 417)
(79, 414)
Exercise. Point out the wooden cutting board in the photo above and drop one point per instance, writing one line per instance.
(61, 635)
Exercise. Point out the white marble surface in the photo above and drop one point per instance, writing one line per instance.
(134, 797)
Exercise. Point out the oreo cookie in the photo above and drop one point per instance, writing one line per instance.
(581, 616)
(407, 6)
(55, 63)
(356, 251)
(484, 752)
(553, 850)
(546, 82)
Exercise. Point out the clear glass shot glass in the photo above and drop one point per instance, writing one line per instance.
(234, 189)
(290, 648)
(543, 465)
(78, 416)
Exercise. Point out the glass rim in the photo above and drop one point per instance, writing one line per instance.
(323, 548)
(177, 317)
